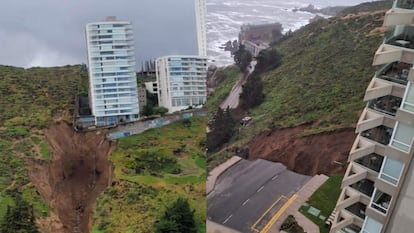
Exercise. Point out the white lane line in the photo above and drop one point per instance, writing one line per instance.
(260, 189)
(274, 177)
(245, 202)
(228, 218)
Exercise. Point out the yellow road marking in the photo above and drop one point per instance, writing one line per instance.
(253, 227)
(279, 213)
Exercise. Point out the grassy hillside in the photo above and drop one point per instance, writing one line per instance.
(151, 171)
(326, 67)
(325, 70)
(29, 100)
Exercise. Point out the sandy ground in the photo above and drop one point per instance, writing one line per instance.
(77, 173)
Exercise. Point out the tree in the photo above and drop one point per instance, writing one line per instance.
(268, 59)
(160, 110)
(242, 58)
(252, 93)
(19, 218)
(147, 110)
(178, 218)
(221, 129)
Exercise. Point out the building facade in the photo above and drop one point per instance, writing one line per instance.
(113, 90)
(181, 81)
(378, 186)
(200, 10)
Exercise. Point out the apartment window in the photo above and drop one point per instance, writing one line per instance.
(371, 226)
(380, 201)
(402, 137)
(391, 170)
(408, 102)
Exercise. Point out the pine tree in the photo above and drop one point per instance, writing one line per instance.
(19, 218)
(178, 218)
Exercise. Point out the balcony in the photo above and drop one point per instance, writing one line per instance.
(346, 220)
(350, 229)
(386, 104)
(396, 72)
(357, 209)
(372, 161)
(360, 148)
(400, 36)
(404, 4)
(368, 120)
(380, 201)
(380, 134)
(364, 186)
(353, 174)
(388, 53)
(377, 88)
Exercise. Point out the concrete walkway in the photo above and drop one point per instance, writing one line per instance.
(302, 196)
(216, 172)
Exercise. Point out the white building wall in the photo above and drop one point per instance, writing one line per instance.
(111, 59)
(182, 81)
(200, 9)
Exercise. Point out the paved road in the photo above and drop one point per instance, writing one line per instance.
(232, 100)
(245, 192)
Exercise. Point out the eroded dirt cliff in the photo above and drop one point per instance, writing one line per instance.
(77, 173)
(324, 153)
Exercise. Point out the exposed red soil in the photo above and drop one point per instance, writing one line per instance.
(316, 154)
(77, 173)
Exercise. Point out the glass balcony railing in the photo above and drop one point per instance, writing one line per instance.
(386, 104)
(364, 186)
(372, 161)
(391, 171)
(358, 209)
(404, 4)
(396, 72)
(351, 229)
(380, 201)
(380, 134)
(371, 226)
(400, 35)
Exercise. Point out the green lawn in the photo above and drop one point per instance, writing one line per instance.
(139, 197)
(324, 199)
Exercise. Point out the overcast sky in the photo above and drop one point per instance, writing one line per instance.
(52, 32)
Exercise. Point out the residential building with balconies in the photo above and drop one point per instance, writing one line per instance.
(181, 81)
(377, 189)
(112, 80)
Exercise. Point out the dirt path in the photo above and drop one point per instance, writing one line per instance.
(317, 154)
(78, 172)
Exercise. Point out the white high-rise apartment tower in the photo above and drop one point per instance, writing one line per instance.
(200, 10)
(112, 80)
(378, 186)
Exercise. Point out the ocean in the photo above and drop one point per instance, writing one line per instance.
(224, 18)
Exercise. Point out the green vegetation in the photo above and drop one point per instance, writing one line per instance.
(221, 129)
(229, 77)
(325, 69)
(19, 217)
(290, 225)
(242, 58)
(324, 199)
(152, 170)
(30, 99)
(177, 218)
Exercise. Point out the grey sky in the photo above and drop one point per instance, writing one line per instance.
(51, 32)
